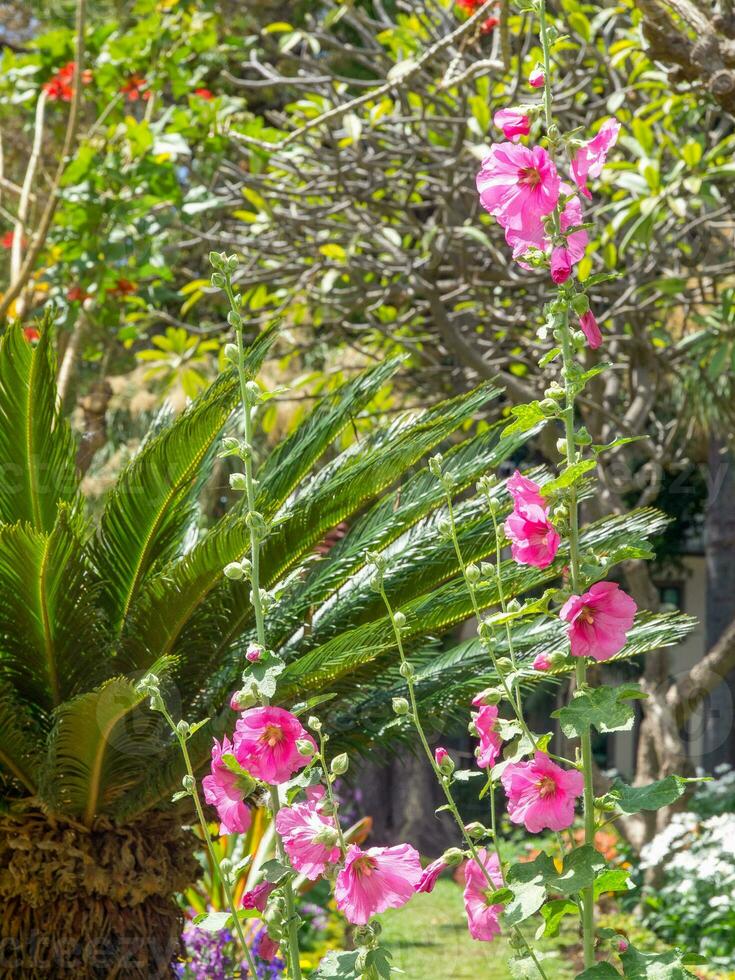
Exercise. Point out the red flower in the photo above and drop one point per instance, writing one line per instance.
(31, 334)
(489, 25)
(123, 287)
(136, 88)
(59, 86)
(77, 294)
(204, 93)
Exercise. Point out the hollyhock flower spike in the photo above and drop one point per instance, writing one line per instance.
(266, 948)
(589, 327)
(518, 184)
(490, 742)
(430, 875)
(537, 79)
(522, 237)
(376, 879)
(257, 898)
(224, 790)
(310, 838)
(483, 919)
(513, 122)
(533, 538)
(590, 158)
(541, 795)
(265, 743)
(599, 620)
(542, 662)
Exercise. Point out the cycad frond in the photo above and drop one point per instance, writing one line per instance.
(21, 739)
(36, 445)
(51, 637)
(148, 513)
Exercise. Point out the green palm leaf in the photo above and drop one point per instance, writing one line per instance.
(147, 515)
(36, 445)
(48, 615)
(21, 740)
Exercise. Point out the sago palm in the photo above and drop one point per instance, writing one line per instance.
(91, 849)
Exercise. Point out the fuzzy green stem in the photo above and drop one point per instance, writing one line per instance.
(208, 838)
(330, 791)
(588, 898)
(247, 407)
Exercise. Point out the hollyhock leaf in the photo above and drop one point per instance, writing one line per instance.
(377, 963)
(553, 912)
(653, 966)
(213, 921)
(579, 870)
(264, 676)
(664, 792)
(338, 966)
(525, 417)
(620, 441)
(196, 726)
(528, 897)
(542, 868)
(523, 968)
(569, 476)
(274, 871)
(600, 971)
(605, 708)
(613, 880)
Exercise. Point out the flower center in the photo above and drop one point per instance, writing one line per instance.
(585, 614)
(529, 176)
(546, 787)
(364, 865)
(272, 735)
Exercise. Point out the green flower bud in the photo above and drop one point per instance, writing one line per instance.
(452, 857)
(183, 728)
(435, 465)
(215, 261)
(399, 619)
(225, 866)
(218, 280)
(504, 664)
(561, 447)
(473, 573)
(252, 390)
(340, 764)
(314, 724)
(188, 783)
(475, 830)
(400, 706)
(406, 671)
(327, 837)
(304, 746)
(238, 481)
(234, 571)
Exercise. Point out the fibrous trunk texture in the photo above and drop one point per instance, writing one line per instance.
(91, 903)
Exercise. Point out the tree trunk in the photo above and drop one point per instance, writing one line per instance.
(720, 557)
(93, 903)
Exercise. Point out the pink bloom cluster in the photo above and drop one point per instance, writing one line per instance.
(533, 538)
(483, 919)
(376, 879)
(485, 721)
(521, 187)
(309, 837)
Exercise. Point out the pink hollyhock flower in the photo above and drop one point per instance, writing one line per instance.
(490, 742)
(522, 237)
(542, 662)
(518, 185)
(513, 122)
(537, 79)
(266, 948)
(589, 159)
(599, 620)
(533, 538)
(224, 790)
(589, 327)
(377, 879)
(524, 491)
(440, 754)
(541, 794)
(430, 874)
(265, 743)
(310, 838)
(482, 919)
(561, 265)
(623, 944)
(257, 898)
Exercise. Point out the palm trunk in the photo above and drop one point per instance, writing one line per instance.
(93, 903)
